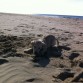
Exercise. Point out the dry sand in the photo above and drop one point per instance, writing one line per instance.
(16, 33)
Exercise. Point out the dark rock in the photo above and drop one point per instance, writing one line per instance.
(64, 75)
(53, 52)
(66, 32)
(73, 55)
(81, 64)
(30, 80)
(40, 35)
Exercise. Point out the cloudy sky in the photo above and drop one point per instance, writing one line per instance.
(63, 7)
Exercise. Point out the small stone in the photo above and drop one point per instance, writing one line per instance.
(40, 35)
(28, 51)
(66, 32)
(30, 80)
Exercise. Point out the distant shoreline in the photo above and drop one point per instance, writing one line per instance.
(62, 16)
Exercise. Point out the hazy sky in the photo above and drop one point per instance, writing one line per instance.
(65, 7)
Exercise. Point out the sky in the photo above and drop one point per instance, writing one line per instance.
(61, 7)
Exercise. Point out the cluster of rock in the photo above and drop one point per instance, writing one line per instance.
(40, 46)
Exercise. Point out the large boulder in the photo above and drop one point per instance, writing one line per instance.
(50, 41)
(39, 47)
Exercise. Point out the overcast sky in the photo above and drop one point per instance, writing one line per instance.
(63, 7)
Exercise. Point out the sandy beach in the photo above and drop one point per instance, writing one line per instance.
(16, 33)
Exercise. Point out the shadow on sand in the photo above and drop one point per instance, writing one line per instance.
(2, 61)
(44, 60)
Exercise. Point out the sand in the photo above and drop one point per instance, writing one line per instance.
(16, 33)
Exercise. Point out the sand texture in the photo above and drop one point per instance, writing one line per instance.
(16, 34)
